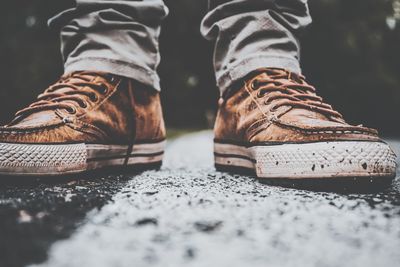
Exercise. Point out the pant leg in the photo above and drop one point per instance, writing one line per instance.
(115, 36)
(252, 34)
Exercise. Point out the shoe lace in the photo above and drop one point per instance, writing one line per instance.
(292, 90)
(70, 88)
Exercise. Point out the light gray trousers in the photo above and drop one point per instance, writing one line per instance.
(121, 36)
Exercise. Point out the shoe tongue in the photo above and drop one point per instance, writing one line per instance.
(265, 75)
(84, 78)
(262, 75)
(273, 73)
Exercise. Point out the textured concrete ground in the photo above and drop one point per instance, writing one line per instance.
(188, 214)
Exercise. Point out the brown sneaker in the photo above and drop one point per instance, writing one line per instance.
(278, 127)
(83, 122)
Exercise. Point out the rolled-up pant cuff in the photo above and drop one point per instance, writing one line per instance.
(239, 70)
(130, 70)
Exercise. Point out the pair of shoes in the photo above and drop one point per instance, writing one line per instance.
(273, 124)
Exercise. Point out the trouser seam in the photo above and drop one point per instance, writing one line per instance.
(107, 60)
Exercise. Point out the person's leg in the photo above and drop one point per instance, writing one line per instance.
(105, 111)
(273, 123)
(252, 34)
(119, 37)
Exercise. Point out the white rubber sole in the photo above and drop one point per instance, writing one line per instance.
(55, 159)
(310, 160)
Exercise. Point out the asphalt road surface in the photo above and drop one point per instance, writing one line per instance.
(188, 214)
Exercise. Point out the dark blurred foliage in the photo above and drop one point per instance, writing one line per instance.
(350, 54)
(353, 58)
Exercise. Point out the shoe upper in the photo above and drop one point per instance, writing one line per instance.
(89, 107)
(277, 106)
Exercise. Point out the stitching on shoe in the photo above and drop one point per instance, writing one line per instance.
(344, 130)
(22, 132)
(29, 130)
(43, 131)
(86, 127)
(256, 127)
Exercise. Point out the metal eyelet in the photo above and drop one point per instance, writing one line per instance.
(260, 94)
(273, 109)
(83, 105)
(104, 89)
(93, 97)
(71, 110)
(254, 85)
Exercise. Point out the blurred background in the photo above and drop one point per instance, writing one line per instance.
(351, 53)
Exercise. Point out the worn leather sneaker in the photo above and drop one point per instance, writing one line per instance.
(85, 121)
(276, 126)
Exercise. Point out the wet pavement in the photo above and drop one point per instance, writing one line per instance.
(188, 214)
